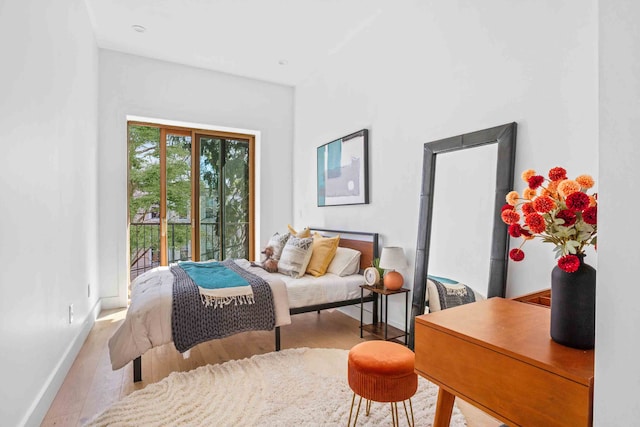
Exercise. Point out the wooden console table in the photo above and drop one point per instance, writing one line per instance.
(497, 355)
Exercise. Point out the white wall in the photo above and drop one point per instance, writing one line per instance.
(429, 70)
(617, 315)
(132, 85)
(48, 203)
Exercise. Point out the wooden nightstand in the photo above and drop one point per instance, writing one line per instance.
(382, 329)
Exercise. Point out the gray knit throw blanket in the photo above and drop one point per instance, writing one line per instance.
(453, 297)
(192, 322)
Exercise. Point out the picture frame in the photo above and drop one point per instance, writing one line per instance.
(343, 170)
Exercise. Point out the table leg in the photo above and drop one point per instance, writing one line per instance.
(386, 316)
(406, 315)
(361, 309)
(443, 408)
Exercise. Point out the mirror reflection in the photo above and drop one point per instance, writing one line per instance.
(462, 217)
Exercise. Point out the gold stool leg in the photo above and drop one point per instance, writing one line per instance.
(394, 414)
(411, 421)
(353, 399)
(368, 407)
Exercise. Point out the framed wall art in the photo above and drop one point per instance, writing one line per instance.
(343, 176)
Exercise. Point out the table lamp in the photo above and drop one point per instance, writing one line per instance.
(392, 258)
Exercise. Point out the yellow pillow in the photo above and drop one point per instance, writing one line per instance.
(324, 249)
(301, 235)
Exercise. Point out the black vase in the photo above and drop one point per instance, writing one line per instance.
(573, 306)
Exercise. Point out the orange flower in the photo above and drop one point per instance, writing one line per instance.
(512, 198)
(527, 174)
(557, 174)
(552, 187)
(567, 187)
(510, 216)
(561, 213)
(528, 208)
(529, 193)
(544, 204)
(585, 181)
(536, 223)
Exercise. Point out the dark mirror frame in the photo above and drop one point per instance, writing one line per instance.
(505, 137)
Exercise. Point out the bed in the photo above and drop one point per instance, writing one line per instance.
(148, 322)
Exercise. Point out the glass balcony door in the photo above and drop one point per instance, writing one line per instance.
(225, 208)
(190, 196)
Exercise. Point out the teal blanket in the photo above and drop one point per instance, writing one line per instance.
(212, 275)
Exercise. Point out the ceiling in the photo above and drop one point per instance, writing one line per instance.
(280, 41)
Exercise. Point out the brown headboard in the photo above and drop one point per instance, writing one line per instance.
(366, 243)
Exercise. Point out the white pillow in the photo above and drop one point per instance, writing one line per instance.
(453, 293)
(295, 256)
(345, 262)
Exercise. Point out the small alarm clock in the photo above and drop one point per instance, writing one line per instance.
(371, 276)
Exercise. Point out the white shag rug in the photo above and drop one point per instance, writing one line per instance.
(299, 386)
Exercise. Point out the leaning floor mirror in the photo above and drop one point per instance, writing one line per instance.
(461, 238)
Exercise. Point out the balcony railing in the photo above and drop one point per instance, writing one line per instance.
(145, 244)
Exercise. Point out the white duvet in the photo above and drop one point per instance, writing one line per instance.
(148, 320)
(309, 290)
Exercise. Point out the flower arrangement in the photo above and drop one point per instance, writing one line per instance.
(556, 209)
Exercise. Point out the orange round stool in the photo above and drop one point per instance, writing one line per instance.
(382, 371)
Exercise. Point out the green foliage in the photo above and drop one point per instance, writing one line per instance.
(567, 240)
(376, 264)
(144, 172)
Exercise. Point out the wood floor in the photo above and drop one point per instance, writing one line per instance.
(91, 386)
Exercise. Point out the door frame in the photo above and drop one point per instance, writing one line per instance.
(195, 188)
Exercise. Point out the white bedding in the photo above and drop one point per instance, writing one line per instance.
(310, 290)
(148, 320)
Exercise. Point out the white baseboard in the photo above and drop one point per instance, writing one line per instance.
(113, 302)
(41, 404)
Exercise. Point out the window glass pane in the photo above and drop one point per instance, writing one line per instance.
(144, 198)
(178, 198)
(209, 201)
(235, 190)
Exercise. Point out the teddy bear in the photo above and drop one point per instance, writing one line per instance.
(270, 264)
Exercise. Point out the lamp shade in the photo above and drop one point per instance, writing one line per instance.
(392, 258)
